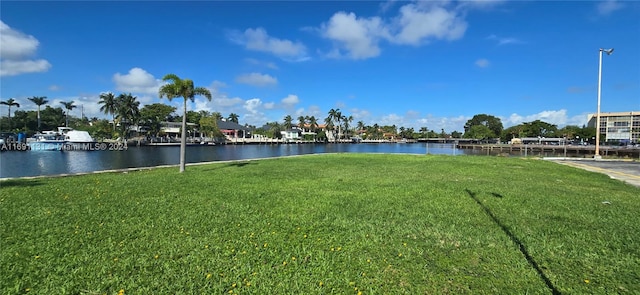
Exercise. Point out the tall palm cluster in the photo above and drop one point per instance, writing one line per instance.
(124, 110)
(39, 101)
(335, 119)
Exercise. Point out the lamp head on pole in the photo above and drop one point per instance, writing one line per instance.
(607, 51)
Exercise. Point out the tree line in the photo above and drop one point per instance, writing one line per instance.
(124, 110)
(483, 126)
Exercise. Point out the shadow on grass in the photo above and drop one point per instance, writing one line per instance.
(19, 183)
(240, 164)
(234, 164)
(515, 240)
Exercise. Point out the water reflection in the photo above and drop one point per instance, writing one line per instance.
(34, 163)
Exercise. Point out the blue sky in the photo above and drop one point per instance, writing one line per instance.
(412, 64)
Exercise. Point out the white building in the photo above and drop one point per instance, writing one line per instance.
(618, 126)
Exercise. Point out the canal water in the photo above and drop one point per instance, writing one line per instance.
(37, 163)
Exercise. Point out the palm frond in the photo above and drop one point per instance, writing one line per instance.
(202, 91)
(170, 91)
(171, 77)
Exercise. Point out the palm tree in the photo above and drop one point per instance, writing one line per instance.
(328, 126)
(360, 125)
(216, 116)
(204, 113)
(334, 116)
(313, 125)
(376, 130)
(128, 112)
(274, 130)
(39, 100)
(10, 102)
(109, 106)
(410, 132)
(288, 122)
(347, 121)
(301, 122)
(233, 117)
(69, 106)
(338, 119)
(423, 132)
(185, 89)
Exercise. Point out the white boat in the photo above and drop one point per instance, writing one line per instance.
(64, 139)
(46, 141)
(77, 139)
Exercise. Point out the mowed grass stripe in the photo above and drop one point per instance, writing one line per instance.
(323, 224)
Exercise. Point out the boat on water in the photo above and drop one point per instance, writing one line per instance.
(65, 138)
(46, 141)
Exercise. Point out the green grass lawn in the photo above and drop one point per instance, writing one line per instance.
(324, 224)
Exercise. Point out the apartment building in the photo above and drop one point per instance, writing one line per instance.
(618, 126)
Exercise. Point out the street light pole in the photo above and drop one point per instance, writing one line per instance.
(597, 152)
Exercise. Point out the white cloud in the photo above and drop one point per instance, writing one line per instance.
(505, 40)
(15, 51)
(224, 101)
(480, 4)
(219, 102)
(252, 105)
(54, 88)
(314, 111)
(607, 7)
(449, 124)
(412, 114)
(17, 67)
(360, 115)
(269, 105)
(385, 6)
(482, 63)
(416, 24)
(215, 87)
(145, 100)
(16, 45)
(359, 37)
(217, 84)
(291, 99)
(137, 81)
(258, 40)
(300, 112)
(256, 79)
(391, 119)
(556, 117)
(255, 112)
(87, 104)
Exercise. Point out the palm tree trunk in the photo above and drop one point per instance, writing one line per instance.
(183, 140)
(39, 129)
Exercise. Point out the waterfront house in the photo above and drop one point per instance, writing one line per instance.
(233, 130)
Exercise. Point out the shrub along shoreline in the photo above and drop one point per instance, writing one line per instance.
(338, 223)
